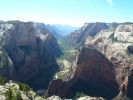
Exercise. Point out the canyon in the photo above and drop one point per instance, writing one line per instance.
(95, 60)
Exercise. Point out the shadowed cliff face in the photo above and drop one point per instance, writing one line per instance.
(93, 74)
(129, 89)
(32, 59)
(127, 85)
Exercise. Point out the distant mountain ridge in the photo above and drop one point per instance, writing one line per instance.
(64, 30)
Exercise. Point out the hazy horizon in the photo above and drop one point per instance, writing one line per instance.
(67, 12)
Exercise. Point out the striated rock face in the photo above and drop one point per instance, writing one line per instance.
(93, 74)
(89, 29)
(32, 59)
(117, 45)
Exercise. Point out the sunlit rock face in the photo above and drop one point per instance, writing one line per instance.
(88, 30)
(117, 45)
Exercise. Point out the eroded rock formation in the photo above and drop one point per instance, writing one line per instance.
(29, 52)
(93, 74)
(117, 46)
(88, 30)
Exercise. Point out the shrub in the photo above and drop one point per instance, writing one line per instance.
(79, 94)
(11, 96)
(24, 87)
(2, 80)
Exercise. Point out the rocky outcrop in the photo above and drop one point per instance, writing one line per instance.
(117, 45)
(47, 34)
(51, 44)
(93, 74)
(32, 59)
(20, 91)
(88, 30)
(53, 30)
(90, 98)
(17, 91)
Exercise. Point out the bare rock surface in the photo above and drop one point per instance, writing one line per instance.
(93, 74)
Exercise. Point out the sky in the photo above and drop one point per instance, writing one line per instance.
(67, 12)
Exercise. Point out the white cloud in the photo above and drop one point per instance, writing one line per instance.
(110, 2)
